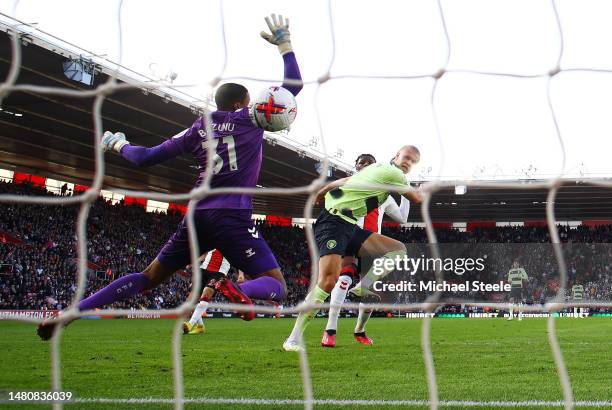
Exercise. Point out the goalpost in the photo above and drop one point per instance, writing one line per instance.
(86, 199)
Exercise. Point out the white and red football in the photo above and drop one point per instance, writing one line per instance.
(274, 109)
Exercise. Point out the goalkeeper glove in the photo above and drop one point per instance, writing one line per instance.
(113, 141)
(280, 33)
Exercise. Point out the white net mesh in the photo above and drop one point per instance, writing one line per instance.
(18, 31)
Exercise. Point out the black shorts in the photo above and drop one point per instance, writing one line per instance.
(516, 293)
(333, 234)
(358, 238)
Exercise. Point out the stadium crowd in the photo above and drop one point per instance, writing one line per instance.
(39, 271)
(586, 249)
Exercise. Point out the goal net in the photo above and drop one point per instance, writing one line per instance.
(436, 182)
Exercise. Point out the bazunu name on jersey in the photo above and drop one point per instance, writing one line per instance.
(223, 127)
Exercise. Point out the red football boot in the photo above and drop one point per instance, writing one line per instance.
(329, 338)
(233, 293)
(362, 338)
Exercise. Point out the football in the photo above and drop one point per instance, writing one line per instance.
(274, 109)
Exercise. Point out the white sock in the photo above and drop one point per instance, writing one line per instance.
(362, 319)
(338, 295)
(200, 309)
(512, 311)
(520, 310)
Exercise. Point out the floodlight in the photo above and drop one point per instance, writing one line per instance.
(80, 70)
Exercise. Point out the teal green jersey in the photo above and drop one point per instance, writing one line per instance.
(516, 276)
(578, 291)
(352, 203)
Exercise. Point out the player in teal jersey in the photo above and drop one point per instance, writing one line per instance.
(345, 203)
(517, 278)
(578, 296)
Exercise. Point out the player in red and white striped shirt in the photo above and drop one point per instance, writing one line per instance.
(371, 222)
(213, 264)
(215, 268)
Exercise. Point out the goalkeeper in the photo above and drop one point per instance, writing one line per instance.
(223, 221)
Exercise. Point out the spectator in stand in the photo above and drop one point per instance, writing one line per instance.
(40, 273)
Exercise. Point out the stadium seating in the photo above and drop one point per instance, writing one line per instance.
(40, 273)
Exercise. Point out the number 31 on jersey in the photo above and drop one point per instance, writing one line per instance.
(231, 153)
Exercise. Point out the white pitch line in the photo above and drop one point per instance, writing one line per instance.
(398, 403)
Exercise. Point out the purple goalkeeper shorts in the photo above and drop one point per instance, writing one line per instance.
(231, 231)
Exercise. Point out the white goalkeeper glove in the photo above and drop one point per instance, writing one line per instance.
(113, 141)
(280, 36)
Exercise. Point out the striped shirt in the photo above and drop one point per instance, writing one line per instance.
(215, 262)
(516, 276)
(373, 220)
(578, 291)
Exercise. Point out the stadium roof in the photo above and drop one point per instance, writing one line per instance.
(573, 202)
(53, 137)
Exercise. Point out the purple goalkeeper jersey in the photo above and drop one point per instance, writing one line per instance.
(236, 142)
(237, 147)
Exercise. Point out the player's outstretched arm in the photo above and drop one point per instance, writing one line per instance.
(280, 36)
(332, 185)
(404, 209)
(413, 196)
(398, 213)
(140, 156)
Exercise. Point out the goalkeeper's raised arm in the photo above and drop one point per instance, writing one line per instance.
(187, 140)
(280, 36)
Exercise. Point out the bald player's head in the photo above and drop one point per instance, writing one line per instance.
(231, 97)
(406, 158)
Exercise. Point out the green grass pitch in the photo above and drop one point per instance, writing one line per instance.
(475, 359)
